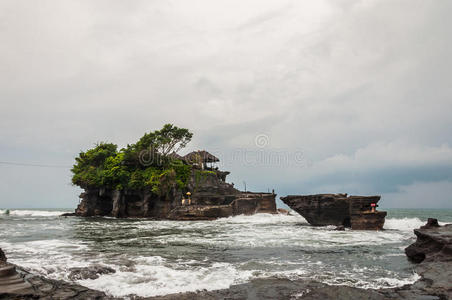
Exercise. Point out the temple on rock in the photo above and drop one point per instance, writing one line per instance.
(205, 196)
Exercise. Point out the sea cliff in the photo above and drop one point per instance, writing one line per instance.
(210, 197)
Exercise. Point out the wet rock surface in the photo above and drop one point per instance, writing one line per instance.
(433, 244)
(282, 288)
(91, 272)
(44, 288)
(433, 251)
(2, 257)
(16, 283)
(10, 280)
(278, 288)
(38, 287)
(338, 209)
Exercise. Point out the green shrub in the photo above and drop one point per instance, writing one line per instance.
(104, 166)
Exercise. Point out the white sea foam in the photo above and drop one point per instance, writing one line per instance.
(264, 219)
(51, 258)
(267, 230)
(150, 274)
(154, 277)
(32, 213)
(375, 283)
(395, 282)
(404, 224)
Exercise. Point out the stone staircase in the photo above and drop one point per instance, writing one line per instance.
(11, 281)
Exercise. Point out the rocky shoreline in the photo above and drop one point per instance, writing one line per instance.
(432, 251)
(17, 283)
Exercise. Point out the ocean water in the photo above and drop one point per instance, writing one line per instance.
(162, 257)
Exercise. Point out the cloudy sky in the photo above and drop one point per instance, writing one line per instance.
(297, 96)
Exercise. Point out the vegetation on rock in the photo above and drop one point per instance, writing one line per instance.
(147, 164)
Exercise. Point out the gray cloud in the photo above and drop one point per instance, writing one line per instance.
(360, 86)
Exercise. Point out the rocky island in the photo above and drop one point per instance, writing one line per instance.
(149, 179)
(356, 212)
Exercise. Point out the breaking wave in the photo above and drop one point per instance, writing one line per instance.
(31, 213)
(161, 257)
(153, 276)
(403, 224)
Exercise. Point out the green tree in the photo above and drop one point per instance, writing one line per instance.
(154, 147)
(104, 166)
(88, 165)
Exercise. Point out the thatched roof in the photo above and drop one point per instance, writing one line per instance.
(202, 155)
(174, 155)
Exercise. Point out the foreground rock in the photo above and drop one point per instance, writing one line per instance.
(16, 283)
(279, 288)
(282, 288)
(10, 280)
(433, 251)
(338, 209)
(2, 257)
(91, 272)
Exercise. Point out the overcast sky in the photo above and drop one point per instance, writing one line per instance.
(297, 96)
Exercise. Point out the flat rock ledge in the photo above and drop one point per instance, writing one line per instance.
(432, 251)
(356, 212)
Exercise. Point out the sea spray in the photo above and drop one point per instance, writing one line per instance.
(160, 257)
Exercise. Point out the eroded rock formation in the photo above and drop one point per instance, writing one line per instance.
(211, 197)
(91, 272)
(3, 258)
(338, 209)
(433, 251)
(10, 280)
(16, 283)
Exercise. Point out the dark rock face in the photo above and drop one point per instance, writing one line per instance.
(338, 209)
(245, 204)
(3, 258)
(431, 223)
(433, 251)
(434, 243)
(368, 220)
(211, 198)
(200, 212)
